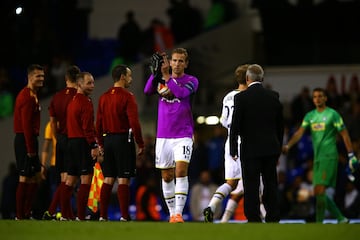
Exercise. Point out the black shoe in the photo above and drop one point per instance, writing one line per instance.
(29, 216)
(48, 216)
(208, 215)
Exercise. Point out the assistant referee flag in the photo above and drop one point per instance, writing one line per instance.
(95, 189)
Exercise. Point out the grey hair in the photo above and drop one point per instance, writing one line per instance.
(255, 72)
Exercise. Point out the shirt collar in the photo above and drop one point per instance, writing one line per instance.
(253, 83)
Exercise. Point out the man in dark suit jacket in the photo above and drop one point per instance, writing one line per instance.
(258, 120)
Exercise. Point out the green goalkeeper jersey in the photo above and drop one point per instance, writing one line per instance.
(324, 127)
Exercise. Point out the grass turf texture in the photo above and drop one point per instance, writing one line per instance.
(41, 230)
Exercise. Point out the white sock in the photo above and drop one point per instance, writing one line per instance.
(219, 195)
(181, 192)
(229, 210)
(169, 195)
(262, 211)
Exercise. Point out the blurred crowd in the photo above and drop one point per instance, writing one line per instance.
(59, 38)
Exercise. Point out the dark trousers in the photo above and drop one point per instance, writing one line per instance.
(252, 169)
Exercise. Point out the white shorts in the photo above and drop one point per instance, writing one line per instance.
(170, 150)
(232, 167)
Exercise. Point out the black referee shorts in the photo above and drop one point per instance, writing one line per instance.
(80, 161)
(119, 156)
(26, 166)
(61, 153)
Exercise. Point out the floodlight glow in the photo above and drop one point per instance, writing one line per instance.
(212, 120)
(18, 10)
(200, 120)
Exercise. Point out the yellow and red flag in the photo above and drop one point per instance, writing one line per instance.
(95, 189)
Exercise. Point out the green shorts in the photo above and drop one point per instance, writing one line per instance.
(325, 171)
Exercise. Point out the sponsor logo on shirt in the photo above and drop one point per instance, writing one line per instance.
(170, 100)
(318, 126)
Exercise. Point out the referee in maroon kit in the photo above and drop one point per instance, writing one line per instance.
(117, 122)
(57, 112)
(26, 127)
(82, 147)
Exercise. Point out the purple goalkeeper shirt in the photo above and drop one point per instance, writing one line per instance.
(175, 119)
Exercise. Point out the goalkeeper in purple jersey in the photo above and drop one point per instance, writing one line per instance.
(175, 129)
(324, 123)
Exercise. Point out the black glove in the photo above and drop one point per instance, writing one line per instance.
(155, 66)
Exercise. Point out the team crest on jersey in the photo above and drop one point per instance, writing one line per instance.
(318, 126)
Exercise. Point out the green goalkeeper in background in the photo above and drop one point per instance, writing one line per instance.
(324, 123)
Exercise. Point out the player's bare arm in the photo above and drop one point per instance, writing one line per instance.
(294, 139)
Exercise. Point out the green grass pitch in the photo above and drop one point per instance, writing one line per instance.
(41, 230)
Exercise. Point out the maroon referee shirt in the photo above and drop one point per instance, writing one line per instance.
(117, 113)
(80, 118)
(58, 107)
(27, 117)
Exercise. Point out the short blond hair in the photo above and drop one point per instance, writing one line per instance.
(240, 73)
(181, 51)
